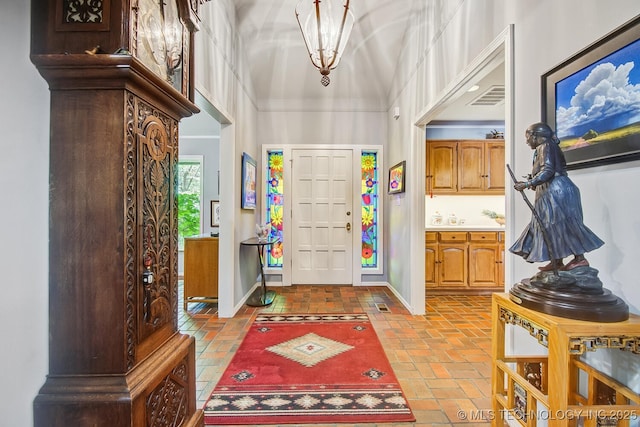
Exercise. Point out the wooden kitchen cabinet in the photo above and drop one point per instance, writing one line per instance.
(452, 259)
(200, 270)
(484, 257)
(430, 259)
(442, 167)
(464, 261)
(465, 167)
(494, 167)
(471, 167)
(501, 260)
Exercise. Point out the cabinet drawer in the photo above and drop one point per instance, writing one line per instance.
(453, 236)
(483, 236)
(431, 236)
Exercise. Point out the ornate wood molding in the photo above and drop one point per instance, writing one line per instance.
(580, 345)
(538, 332)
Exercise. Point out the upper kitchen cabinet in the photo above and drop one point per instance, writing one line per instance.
(465, 167)
(442, 167)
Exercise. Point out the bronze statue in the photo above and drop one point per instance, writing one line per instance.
(558, 205)
(557, 231)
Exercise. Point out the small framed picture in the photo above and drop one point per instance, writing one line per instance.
(249, 172)
(215, 213)
(396, 178)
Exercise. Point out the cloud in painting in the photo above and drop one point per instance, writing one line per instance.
(604, 100)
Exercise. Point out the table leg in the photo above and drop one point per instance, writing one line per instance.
(261, 297)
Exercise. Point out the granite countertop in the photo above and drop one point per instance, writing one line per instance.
(464, 227)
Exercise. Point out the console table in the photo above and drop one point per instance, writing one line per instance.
(261, 297)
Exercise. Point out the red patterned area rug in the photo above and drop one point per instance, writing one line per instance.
(308, 368)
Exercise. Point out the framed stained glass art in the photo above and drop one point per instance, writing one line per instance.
(396, 178)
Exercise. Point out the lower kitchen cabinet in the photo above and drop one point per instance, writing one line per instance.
(464, 262)
(453, 259)
(431, 259)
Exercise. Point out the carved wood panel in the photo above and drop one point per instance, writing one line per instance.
(167, 403)
(151, 221)
(82, 15)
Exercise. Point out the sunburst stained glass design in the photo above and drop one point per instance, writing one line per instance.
(275, 206)
(369, 162)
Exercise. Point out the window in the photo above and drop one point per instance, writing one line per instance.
(369, 205)
(275, 205)
(190, 206)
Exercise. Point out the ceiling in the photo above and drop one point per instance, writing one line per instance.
(283, 74)
(284, 78)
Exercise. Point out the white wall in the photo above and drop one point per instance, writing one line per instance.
(546, 33)
(24, 180)
(298, 127)
(441, 42)
(222, 79)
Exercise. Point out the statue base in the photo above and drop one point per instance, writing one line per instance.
(575, 294)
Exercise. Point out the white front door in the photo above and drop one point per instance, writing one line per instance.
(321, 217)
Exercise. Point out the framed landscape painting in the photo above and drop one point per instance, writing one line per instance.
(396, 178)
(592, 100)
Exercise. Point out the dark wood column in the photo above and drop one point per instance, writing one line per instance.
(116, 355)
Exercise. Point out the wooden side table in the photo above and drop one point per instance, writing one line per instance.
(532, 388)
(200, 270)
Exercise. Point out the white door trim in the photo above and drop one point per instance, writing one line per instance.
(287, 149)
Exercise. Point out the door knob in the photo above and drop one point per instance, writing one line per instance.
(348, 226)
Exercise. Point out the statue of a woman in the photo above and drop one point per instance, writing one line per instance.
(558, 205)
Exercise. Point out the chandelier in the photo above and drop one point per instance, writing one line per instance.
(325, 27)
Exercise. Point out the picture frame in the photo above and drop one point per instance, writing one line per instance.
(397, 178)
(215, 213)
(594, 126)
(249, 171)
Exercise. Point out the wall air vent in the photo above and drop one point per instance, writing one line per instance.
(493, 96)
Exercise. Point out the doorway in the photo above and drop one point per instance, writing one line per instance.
(498, 56)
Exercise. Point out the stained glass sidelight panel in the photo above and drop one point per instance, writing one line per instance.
(369, 162)
(275, 206)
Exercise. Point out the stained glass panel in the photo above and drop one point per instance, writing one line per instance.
(275, 206)
(369, 162)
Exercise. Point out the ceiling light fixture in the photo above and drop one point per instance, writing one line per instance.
(325, 28)
(473, 88)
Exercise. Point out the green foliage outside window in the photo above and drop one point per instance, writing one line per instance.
(188, 216)
(189, 200)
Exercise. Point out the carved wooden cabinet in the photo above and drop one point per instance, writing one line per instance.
(559, 389)
(465, 167)
(200, 270)
(464, 261)
(116, 357)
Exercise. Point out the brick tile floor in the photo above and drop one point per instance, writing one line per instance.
(442, 359)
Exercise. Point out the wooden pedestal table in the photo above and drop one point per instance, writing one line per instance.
(532, 388)
(261, 297)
